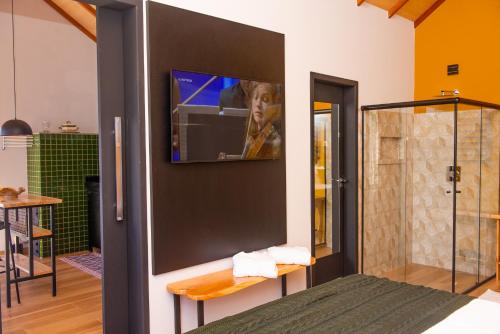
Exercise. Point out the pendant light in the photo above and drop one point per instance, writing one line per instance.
(15, 132)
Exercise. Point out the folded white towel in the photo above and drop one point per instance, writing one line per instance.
(254, 264)
(290, 255)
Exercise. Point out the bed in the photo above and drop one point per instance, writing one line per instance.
(352, 304)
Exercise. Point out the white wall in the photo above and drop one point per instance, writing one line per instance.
(333, 37)
(56, 76)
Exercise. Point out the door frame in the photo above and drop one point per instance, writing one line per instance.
(120, 66)
(349, 122)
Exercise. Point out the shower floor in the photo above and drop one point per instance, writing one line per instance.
(432, 277)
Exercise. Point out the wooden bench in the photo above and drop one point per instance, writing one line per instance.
(220, 284)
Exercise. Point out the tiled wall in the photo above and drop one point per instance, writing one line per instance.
(386, 170)
(57, 167)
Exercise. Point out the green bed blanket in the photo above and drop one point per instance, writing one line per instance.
(352, 304)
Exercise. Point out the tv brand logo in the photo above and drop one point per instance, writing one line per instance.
(185, 80)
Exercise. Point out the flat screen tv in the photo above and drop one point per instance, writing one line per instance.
(218, 118)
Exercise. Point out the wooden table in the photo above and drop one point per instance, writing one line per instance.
(23, 263)
(220, 284)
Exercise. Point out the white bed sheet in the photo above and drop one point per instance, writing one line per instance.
(477, 317)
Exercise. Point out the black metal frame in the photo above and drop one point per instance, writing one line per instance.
(455, 101)
(9, 251)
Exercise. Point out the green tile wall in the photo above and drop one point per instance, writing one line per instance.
(57, 167)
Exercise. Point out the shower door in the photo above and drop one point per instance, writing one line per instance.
(467, 199)
(477, 199)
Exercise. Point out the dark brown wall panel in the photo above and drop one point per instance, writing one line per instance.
(208, 211)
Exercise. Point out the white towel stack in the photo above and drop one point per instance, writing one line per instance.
(290, 255)
(254, 264)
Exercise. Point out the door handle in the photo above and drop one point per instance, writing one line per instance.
(341, 181)
(119, 169)
(458, 191)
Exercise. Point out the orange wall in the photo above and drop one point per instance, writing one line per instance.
(464, 32)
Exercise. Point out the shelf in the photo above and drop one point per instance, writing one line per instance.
(484, 215)
(390, 162)
(39, 232)
(23, 264)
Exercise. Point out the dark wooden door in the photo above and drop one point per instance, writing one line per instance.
(332, 218)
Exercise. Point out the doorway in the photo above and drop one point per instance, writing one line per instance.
(121, 147)
(333, 177)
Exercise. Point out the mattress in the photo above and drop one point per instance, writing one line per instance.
(478, 317)
(352, 304)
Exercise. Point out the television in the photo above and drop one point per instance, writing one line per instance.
(219, 118)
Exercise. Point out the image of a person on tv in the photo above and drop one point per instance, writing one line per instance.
(236, 96)
(263, 139)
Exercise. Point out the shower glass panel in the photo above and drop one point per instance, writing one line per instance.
(489, 185)
(431, 192)
(468, 164)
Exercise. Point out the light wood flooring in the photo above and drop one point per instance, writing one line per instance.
(76, 309)
(436, 278)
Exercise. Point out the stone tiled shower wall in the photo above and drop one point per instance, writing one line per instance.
(57, 167)
(386, 189)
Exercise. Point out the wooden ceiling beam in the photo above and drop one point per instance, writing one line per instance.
(397, 6)
(360, 2)
(89, 8)
(428, 12)
(67, 10)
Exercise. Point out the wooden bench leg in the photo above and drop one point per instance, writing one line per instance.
(283, 286)
(308, 277)
(177, 313)
(201, 313)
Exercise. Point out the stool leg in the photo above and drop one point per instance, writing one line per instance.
(7, 257)
(18, 250)
(53, 249)
(16, 275)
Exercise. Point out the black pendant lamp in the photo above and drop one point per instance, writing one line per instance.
(15, 132)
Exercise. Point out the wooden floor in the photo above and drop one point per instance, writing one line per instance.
(76, 309)
(437, 278)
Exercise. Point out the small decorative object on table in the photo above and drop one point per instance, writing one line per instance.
(69, 127)
(10, 193)
(45, 127)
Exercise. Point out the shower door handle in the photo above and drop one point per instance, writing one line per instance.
(119, 169)
(341, 181)
(449, 191)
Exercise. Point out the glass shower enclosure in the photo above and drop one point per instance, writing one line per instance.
(430, 181)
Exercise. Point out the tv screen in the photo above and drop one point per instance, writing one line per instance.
(218, 118)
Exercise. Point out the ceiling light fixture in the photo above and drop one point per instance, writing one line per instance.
(15, 132)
